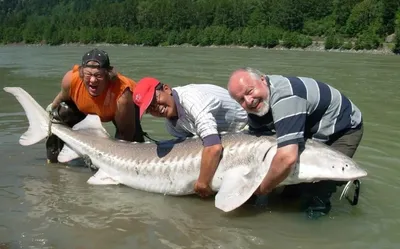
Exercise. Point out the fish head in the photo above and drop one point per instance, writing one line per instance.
(318, 161)
(343, 167)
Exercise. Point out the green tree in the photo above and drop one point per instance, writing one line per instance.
(33, 31)
(341, 11)
(333, 41)
(396, 48)
(287, 14)
(389, 8)
(205, 22)
(363, 15)
(12, 35)
(367, 40)
(52, 35)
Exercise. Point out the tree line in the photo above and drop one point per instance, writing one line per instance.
(340, 24)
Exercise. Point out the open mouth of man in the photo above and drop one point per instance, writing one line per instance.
(256, 104)
(93, 88)
(162, 110)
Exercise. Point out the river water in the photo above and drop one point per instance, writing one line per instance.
(52, 206)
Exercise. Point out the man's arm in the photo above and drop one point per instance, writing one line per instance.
(63, 95)
(210, 158)
(280, 168)
(125, 117)
(201, 110)
(289, 115)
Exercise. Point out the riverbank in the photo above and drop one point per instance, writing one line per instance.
(317, 46)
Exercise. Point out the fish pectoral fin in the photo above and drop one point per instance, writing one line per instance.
(67, 154)
(101, 178)
(237, 186)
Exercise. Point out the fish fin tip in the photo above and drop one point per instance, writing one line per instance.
(236, 188)
(67, 154)
(91, 124)
(37, 117)
(101, 178)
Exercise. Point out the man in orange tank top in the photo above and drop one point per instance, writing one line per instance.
(95, 87)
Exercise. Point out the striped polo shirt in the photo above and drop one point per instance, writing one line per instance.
(305, 108)
(204, 110)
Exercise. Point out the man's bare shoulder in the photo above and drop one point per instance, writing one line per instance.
(67, 80)
(125, 98)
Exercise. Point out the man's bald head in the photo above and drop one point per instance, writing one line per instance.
(248, 87)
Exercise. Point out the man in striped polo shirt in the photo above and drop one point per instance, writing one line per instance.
(296, 109)
(204, 110)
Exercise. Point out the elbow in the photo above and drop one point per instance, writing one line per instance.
(218, 149)
(125, 134)
(214, 150)
(288, 161)
(212, 144)
(287, 156)
(291, 159)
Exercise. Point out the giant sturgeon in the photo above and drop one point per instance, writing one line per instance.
(172, 167)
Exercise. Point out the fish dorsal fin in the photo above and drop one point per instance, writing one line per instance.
(67, 154)
(237, 186)
(91, 125)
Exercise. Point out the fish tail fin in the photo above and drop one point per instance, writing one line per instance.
(38, 118)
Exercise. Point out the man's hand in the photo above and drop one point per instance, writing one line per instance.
(49, 108)
(203, 189)
(50, 111)
(280, 168)
(258, 191)
(209, 162)
(261, 190)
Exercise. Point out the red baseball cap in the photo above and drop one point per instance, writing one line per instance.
(144, 93)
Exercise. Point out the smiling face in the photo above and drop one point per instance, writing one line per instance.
(163, 104)
(250, 91)
(95, 79)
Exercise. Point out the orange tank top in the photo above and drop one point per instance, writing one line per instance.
(104, 105)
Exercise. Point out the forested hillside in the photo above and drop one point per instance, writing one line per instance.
(346, 24)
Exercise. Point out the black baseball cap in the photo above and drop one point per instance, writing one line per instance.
(98, 56)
